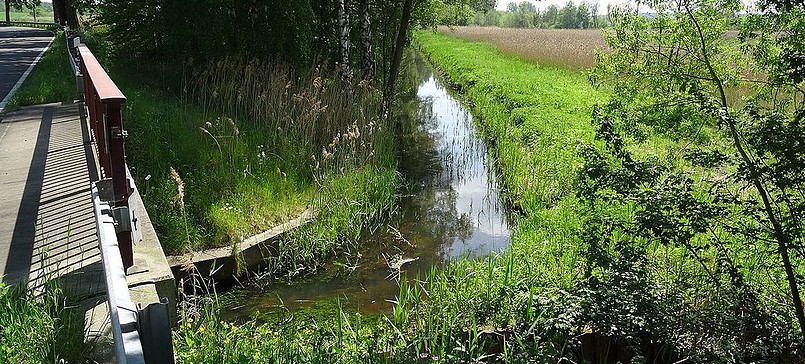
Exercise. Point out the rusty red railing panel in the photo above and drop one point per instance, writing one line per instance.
(103, 100)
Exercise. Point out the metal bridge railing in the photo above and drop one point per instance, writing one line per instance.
(142, 335)
(122, 312)
(103, 100)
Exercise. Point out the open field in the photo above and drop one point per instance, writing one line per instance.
(573, 48)
(41, 16)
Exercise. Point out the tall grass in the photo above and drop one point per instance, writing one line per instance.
(332, 124)
(51, 80)
(326, 333)
(40, 328)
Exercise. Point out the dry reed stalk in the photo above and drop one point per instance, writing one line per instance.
(337, 127)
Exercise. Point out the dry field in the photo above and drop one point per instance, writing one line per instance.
(573, 48)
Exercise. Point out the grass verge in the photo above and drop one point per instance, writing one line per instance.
(42, 328)
(51, 80)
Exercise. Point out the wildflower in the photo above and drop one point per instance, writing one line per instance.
(235, 130)
(325, 154)
(179, 198)
(201, 329)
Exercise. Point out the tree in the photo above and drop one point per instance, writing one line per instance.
(583, 16)
(68, 12)
(391, 81)
(551, 16)
(21, 5)
(367, 52)
(343, 40)
(512, 7)
(568, 16)
(483, 6)
(526, 7)
(674, 73)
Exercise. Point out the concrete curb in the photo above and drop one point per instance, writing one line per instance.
(151, 278)
(222, 265)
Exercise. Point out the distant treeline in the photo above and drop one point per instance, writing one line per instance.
(523, 15)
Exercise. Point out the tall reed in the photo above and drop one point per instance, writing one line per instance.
(332, 125)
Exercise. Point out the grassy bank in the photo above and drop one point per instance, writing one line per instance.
(51, 80)
(535, 116)
(42, 328)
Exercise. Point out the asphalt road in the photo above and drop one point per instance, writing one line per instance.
(19, 47)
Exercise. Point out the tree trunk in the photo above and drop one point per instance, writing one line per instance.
(59, 12)
(8, 10)
(343, 24)
(72, 14)
(367, 55)
(388, 91)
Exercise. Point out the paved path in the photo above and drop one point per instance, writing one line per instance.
(47, 225)
(19, 47)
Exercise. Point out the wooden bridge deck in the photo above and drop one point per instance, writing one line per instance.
(47, 226)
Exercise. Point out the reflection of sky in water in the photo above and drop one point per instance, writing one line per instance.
(465, 166)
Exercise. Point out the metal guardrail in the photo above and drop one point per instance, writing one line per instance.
(30, 24)
(122, 311)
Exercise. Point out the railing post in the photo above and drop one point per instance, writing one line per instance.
(101, 134)
(120, 184)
